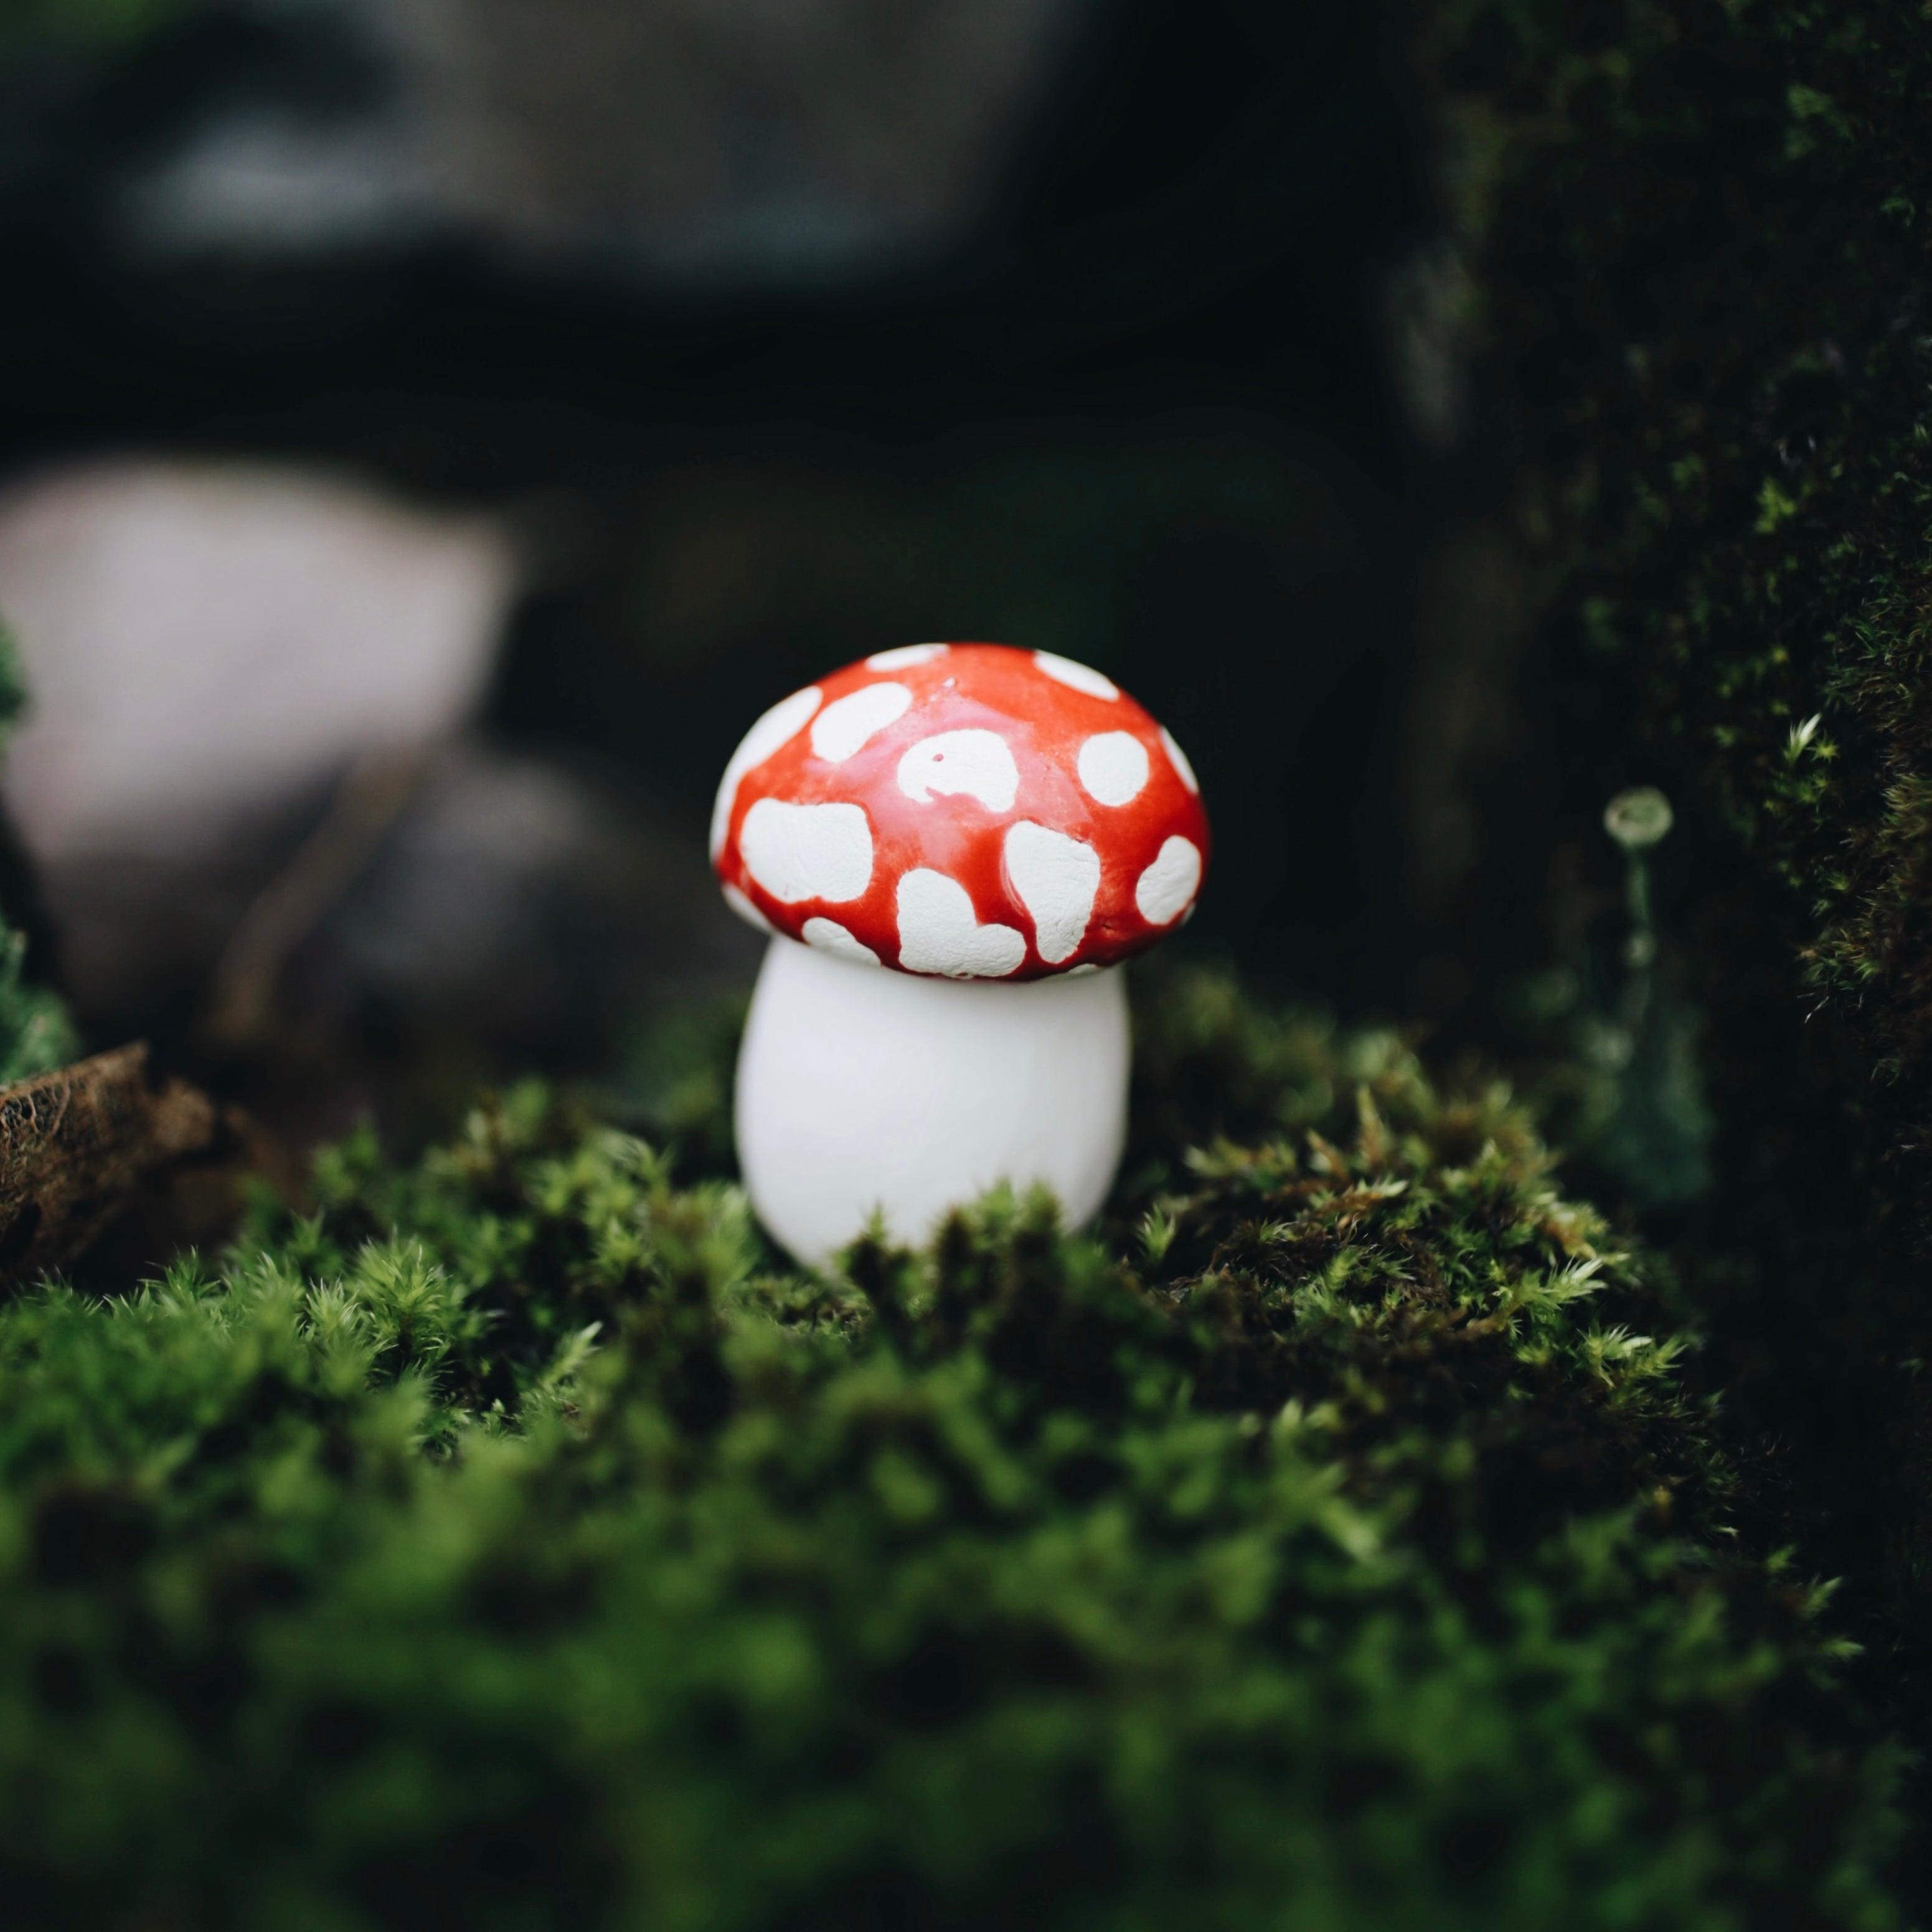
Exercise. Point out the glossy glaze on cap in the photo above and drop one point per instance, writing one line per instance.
(968, 810)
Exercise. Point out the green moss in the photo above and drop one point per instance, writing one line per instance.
(96, 25)
(1702, 239)
(510, 1542)
(1704, 265)
(36, 1034)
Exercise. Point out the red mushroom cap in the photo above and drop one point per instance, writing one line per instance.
(967, 810)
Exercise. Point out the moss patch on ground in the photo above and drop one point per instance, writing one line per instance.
(1336, 1540)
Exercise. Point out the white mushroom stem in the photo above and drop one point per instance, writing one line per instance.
(860, 1088)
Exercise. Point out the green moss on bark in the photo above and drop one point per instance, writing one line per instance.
(1700, 239)
(509, 1542)
(1705, 240)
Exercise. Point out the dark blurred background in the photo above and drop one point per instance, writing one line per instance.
(434, 429)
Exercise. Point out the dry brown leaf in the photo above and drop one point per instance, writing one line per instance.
(76, 1144)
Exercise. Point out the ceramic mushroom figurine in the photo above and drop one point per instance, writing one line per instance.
(954, 847)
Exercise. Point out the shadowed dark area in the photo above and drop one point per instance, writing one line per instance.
(1137, 409)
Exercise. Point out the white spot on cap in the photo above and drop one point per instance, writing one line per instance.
(1166, 888)
(1057, 879)
(1076, 676)
(904, 657)
(771, 733)
(977, 764)
(847, 722)
(940, 932)
(1177, 758)
(807, 851)
(1113, 767)
(746, 911)
(829, 936)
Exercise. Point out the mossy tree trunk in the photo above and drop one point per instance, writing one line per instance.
(1699, 240)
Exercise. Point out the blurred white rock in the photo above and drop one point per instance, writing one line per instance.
(261, 820)
(204, 642)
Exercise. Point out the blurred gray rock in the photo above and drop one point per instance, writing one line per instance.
(520, 903)
(697, 139)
